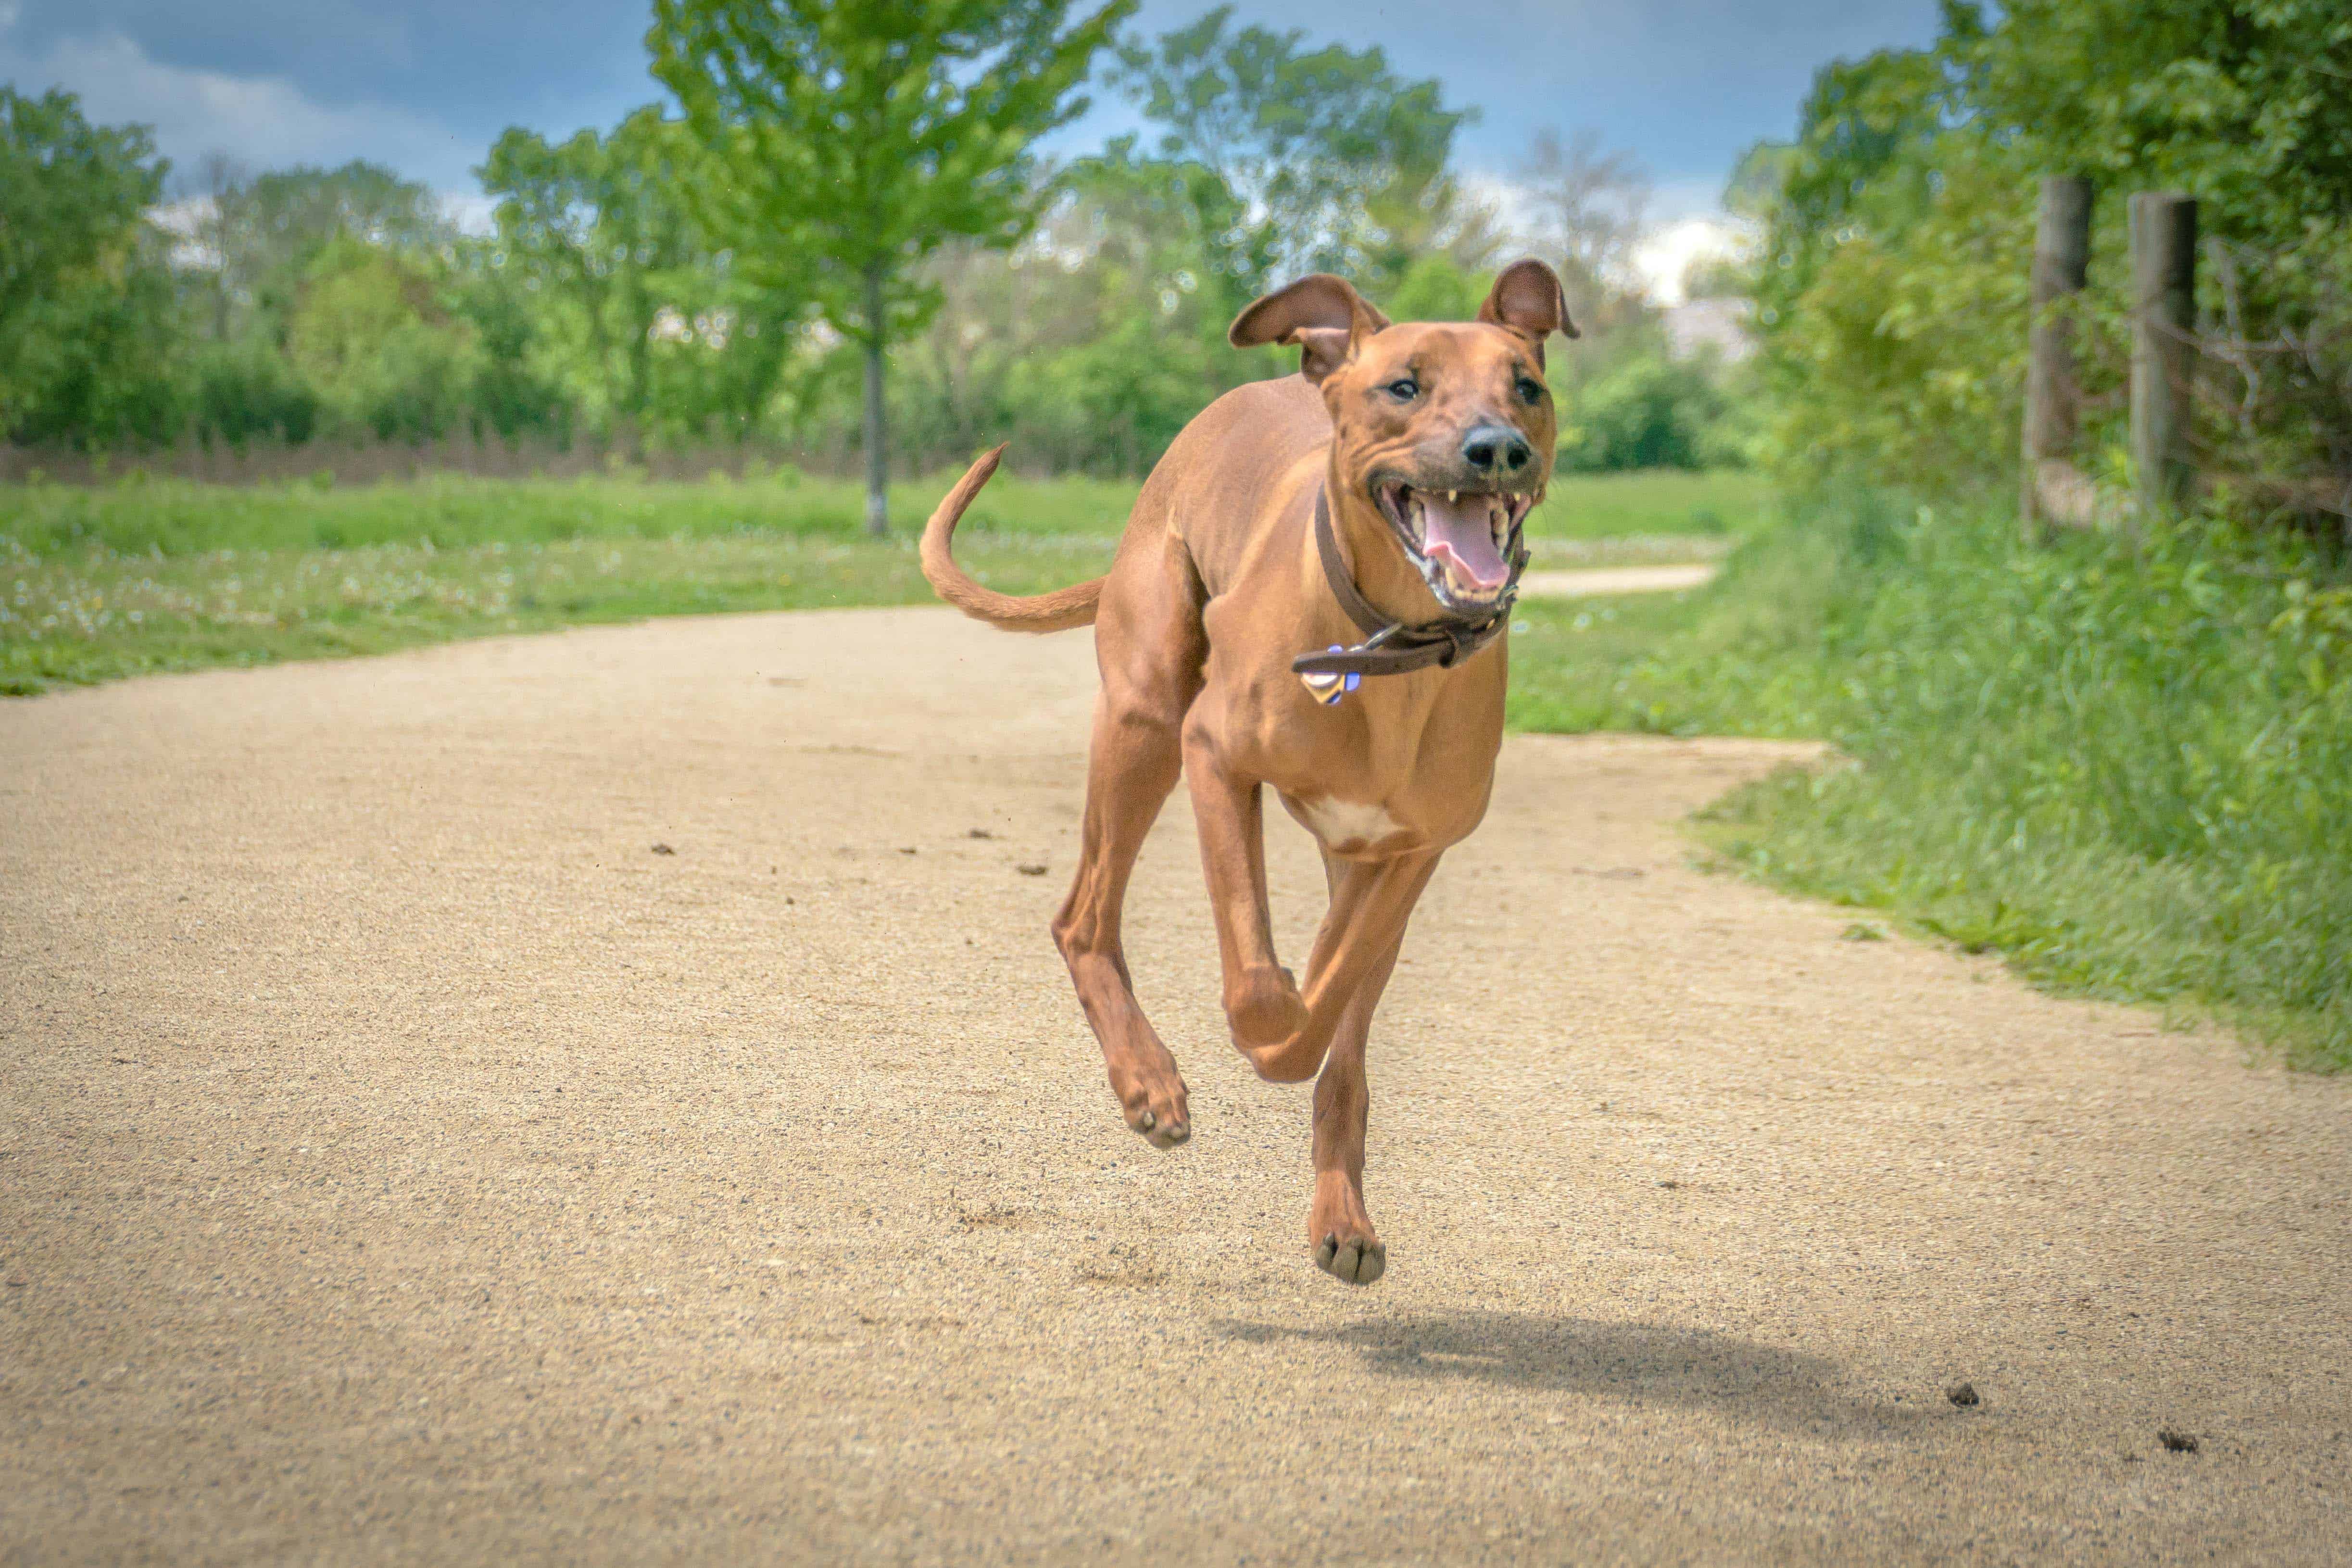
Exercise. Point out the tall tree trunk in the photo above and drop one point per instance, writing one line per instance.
(2164, 356)
(2062, 259)
(641, 350)
(878, 458)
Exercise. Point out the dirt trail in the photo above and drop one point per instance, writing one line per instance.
(1600, 580)
(399, 1160)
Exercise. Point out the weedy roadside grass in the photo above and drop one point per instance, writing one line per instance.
(142, 576)
(2129, 769)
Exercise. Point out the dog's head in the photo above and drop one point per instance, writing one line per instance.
(1443, 429)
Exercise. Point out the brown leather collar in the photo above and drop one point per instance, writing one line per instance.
(1390, 647)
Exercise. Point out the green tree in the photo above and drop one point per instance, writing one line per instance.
(866, 134)
(86, 307)
(2246, 103)
(259, 240)
(1089, 344)
(1891, 279)
(1114, 325)
(1341, 161)
(70, 193)
(596, 222)
(266, 231)
(1891, 284)
(1646, 411)
(373, 336)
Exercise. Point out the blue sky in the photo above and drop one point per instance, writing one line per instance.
(425, 85)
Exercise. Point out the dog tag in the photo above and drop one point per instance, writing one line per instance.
(1328, 686)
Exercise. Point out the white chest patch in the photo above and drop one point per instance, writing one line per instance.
(1347, 825)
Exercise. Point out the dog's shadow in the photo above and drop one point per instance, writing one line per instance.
(1638, 1363)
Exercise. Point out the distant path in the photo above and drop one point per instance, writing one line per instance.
(1596, 581)
(401, 1162)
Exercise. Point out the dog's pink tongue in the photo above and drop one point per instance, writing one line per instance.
(1457, 535)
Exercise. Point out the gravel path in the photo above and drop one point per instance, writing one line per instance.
(402, 1160)
(1592, 581)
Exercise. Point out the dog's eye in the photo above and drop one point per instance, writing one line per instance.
(1404, 390)
(1531, 389)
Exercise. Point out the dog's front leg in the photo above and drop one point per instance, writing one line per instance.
(1262, 1004)
(1370, 901)
(1339, 1225)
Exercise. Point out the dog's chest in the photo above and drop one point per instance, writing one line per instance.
(1347, 825)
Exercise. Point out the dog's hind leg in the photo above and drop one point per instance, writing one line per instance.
(1149, 647)
(1339, 1226)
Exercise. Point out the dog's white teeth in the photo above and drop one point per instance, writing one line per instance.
(1452, 497)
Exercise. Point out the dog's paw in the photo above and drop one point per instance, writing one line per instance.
(1154, 1104)
(1150, 1094)
(1359, 1260)
(1163, 1129)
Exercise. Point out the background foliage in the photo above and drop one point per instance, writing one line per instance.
(638, 291)
(1897, 227)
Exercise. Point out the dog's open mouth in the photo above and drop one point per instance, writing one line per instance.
(1459, 539)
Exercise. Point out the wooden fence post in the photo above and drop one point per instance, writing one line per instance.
(2164, 306)
(2062, 263)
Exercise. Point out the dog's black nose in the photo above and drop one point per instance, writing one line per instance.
(1497, 449)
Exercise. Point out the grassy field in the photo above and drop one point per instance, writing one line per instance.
(2128, 770)
(137, 578)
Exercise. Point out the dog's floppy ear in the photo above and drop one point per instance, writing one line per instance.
(1527, 299)
(1322, 314)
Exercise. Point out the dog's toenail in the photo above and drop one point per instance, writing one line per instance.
(1146, 1121)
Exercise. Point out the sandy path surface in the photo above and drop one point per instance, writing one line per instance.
(401, 1162)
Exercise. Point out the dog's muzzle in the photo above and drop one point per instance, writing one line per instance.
(1391, 647)
(1459, 539)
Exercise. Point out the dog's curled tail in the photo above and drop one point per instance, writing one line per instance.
(1056, 612)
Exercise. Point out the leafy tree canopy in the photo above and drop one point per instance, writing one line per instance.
(1891, 282)
(861, 136)
(602, 224)
(864, 136)
(1340, 161)
(82, 283)
(71, 194)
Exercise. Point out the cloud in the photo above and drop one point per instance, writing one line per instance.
(473, 211)
(1685, 222)
(262, 122)
(1666, 257)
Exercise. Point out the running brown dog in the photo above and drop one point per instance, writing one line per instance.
(1415, 451)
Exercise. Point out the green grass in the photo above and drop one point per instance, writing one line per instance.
(1725, 506)
(103, 615)
(139, 578)
(143, 577)
(2130, 771)
(173, 517)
